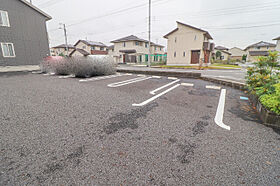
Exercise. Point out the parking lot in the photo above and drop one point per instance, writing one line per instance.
(129, 129)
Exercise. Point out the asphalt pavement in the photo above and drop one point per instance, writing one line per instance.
(228, 74)
(130, 130)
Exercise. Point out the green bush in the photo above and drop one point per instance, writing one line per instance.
(272, 101)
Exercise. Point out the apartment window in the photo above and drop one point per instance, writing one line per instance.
(93, 48)
(174, 54)
(8, 50)
(124, 44)
(4, 19)
(184, 54)
(146, 45)
(102, 48)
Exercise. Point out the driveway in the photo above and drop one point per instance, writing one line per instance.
(131, 130)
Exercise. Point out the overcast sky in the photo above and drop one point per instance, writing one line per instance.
(230, 22)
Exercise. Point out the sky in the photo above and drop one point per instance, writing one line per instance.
(232, 23)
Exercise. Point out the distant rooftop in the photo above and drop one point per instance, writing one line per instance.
(134, 38)
(92, 43)
(64, 46)
(261, 44)
(221, 48)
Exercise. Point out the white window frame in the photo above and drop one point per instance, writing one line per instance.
(7, 15)
(8, 48)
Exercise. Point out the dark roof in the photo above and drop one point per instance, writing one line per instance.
(129, 38)
(85, 53)
(91, 43)
(221, 48)
(36, 9)
(258, 53)
(134, 38)
(278, 38)
(261, 44)
(64, 46)
(225, 52)
(205, 32)
(128, 51)
(111, 47)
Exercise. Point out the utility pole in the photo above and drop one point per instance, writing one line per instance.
(150, 12)
(65, 35)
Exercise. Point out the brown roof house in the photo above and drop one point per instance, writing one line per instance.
(132, 49)
(91, 47)
(259, 49)
(188, 45)
(62, 50)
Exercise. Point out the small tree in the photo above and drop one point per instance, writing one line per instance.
(244, 57)
(218, 54)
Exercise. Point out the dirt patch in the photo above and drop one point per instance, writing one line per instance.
(199, 128)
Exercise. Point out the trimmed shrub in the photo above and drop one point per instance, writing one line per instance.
(80, 66)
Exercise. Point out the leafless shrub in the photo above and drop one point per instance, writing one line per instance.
(80, 66)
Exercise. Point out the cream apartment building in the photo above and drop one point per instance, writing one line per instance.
(259, 49)
(62, 50)
(188, 45)
(132, 49)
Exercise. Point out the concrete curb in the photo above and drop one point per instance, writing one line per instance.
(163, 73)
(269, 118)
(230, 83)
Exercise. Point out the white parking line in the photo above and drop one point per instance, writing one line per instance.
(220, 111)
(141, 75)
(187, 84)
(65, 77)
(167, 85)
(122, 83)
(49, 74)
(36, 72)
(155, 97)
(172, 78)
(101, 78)
(213, 87)
(156, 77)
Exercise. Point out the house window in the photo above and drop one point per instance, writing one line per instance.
(102, 48)
(268, 47)
(258, 48)
(124, 44)
(175, 39)
(8, 50)
(160, 48)
(155, 48)
(4, 19)
(136, 43)
(84, 47)
(174, 54)
(146, 45)
(184, 54)
(93, 48)
(195, 37)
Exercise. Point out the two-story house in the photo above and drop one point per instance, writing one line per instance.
(132, 49)
(237, 53)
(89, 48)
(188, 45)
(62, 50)
(259, 49)
(225, 55)
(277, 44)
(23, 33)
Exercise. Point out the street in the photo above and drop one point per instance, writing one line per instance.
(130, 129)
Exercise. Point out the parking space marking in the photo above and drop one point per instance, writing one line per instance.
(36, 72)
(49, 74)
(141, 75)
(220, 111)
(102, 78)
(173, 78)
(156, 77)
(187, 84)
(213, 87)
(167, 85)
(155, 97)
(65, 77)
(130, 81)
